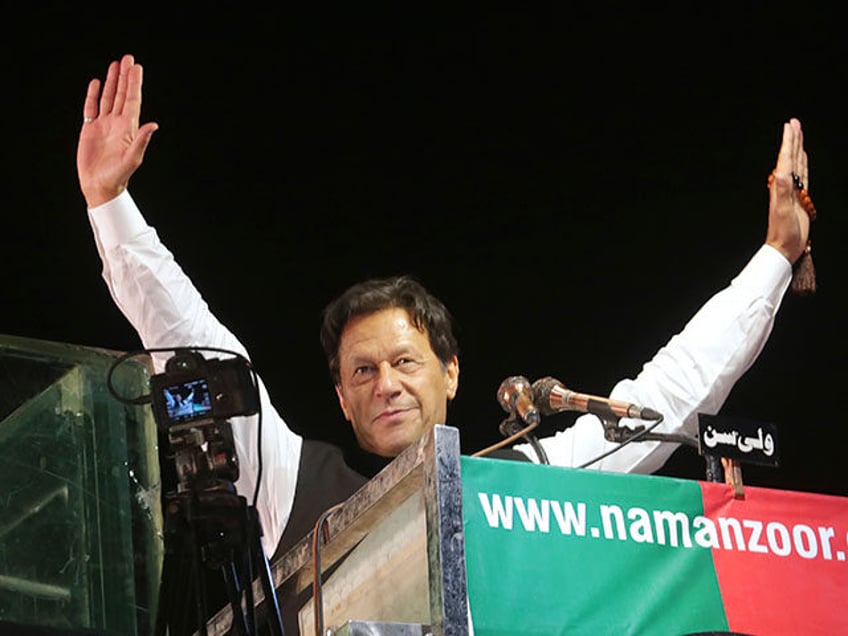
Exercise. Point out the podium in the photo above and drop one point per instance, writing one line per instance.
(519, 548)
(80, 515)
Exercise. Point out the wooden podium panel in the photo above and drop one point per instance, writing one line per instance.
(396, 554)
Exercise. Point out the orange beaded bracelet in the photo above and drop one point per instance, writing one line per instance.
(803, 195)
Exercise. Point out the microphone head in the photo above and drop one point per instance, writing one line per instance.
(542, 390)
(515, 395)
(510, 389)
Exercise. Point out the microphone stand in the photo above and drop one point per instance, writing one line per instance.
(623, 435)
(514, 425)
(615, 433)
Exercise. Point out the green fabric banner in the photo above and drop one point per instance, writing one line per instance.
(563, 551)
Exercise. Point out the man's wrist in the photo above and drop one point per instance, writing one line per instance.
(789, 255)
(98, 196)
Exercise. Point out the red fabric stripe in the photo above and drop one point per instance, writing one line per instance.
(766, 593)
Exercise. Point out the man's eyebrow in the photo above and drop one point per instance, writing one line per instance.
(403, 348)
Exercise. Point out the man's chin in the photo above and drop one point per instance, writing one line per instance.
(394, 440)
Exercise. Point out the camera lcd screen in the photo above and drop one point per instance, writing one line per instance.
(187, 400)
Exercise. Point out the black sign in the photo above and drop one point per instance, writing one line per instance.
(747, 441)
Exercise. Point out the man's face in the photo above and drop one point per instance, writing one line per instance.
(392, 387)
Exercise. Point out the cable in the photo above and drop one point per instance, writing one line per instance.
(140, 400)
(505, 442)
(258, 454)
(636, 437)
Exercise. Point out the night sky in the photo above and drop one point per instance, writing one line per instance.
(574, 184)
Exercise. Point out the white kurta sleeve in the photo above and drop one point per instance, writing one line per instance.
(166, 310)
(692, 374)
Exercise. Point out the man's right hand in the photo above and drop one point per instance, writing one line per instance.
(111, 143)
(788, 222)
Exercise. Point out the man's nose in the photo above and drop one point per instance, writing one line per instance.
(387, 383)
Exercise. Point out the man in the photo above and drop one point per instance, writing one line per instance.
(389, 344)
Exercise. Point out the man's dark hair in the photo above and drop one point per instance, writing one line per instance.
(427, 313)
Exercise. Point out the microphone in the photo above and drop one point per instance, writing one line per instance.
(551, 396)
(515, 395)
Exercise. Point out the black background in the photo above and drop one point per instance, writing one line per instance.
(573, 183)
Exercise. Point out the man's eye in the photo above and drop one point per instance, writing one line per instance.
(360, 371)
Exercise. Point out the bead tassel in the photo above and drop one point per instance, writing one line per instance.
(804, 273)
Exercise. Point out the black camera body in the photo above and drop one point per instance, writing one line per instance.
(193, 389)
(192, 401)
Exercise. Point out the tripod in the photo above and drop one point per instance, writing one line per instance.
(209, 526)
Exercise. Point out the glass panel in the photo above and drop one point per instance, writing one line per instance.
(80, 516)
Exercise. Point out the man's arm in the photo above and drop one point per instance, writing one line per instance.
(696, 370)
(154, 293)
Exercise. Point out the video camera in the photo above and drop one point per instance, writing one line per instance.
(192, 401)
(194, 389)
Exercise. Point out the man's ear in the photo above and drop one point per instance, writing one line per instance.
(452, 373)
(342, 402)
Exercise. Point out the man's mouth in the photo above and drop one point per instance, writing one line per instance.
(391, 416)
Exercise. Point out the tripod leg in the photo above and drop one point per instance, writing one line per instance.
(272, 604)
(250, 603)
(180, 578)
(200, 583)
(231, 581)
(164, 604)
